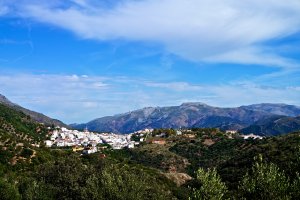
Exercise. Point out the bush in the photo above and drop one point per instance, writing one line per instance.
(212, 188)
(8, 191)
(265, 181)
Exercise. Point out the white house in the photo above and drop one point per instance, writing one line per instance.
(251, 136)
(48, 143)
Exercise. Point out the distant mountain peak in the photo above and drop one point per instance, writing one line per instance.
(2, 97)
(4, 100)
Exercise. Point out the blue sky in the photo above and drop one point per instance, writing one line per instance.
(77, 60)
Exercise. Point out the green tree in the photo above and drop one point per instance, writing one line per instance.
(8, 191)
(66, 178)
(211, 186)
(295, 192)
(123, 182)
(26, 153)
(265, 181)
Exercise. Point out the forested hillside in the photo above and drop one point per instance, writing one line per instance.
(19, 136)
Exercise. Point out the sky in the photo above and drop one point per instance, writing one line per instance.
(77, 60)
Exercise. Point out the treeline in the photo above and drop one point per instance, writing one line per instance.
(90, 177)
(70, 176)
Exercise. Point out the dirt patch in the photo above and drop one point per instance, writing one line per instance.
(208, 142)
(13, 160)
(178, 178)
(19, 145)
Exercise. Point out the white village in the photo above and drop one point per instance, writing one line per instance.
(89, 142)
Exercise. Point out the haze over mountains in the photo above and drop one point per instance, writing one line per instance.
(261, 119)
(193, 115)
(38, 117)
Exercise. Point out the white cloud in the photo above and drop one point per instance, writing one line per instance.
(214, 30)
(257, 56)
(177, 86)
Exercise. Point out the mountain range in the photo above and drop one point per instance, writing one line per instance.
(260, 119)
(194, 115)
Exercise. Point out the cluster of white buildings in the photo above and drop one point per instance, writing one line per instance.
(117, 141)
(251, 136)
(145, 131)
(63, 137)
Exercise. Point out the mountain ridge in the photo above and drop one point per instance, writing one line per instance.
(189, 114)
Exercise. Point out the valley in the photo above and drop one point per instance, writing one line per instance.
(160, 163)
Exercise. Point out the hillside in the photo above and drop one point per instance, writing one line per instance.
(19, 135)
(38, 117)
(149, 171)
(210, 148)
(188, 115)
(166, 170)
(274, 126)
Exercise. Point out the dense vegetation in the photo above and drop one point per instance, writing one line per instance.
(232, 159)
(196, 164)
(19, 136)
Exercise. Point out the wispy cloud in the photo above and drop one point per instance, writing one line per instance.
(257, 56)
(79, 98)
(176, 86)
(200, 30)
(4, 9)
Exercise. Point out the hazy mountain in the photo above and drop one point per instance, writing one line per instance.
(278, 109)
(274, 126)
(38, 117)
(189, 115)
